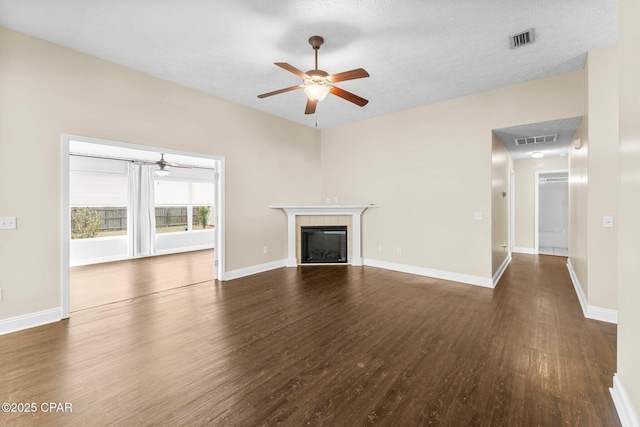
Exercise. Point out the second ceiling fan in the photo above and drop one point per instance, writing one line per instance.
(317, 84)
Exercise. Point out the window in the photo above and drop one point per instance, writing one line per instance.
(98, 198)
(170, 219)
(202, 217)
(98, 221)
(183, 204)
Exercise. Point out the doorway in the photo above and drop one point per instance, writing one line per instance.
(205, 168)
(552, 213)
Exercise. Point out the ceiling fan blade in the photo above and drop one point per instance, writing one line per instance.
(166, 164)
(176, 165)
(351, 97)
(292, 69)
(276, 92)
(358, 73)
(311, 106)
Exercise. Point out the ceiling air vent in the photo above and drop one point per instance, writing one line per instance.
(554, 179)
(536, 139)
(522, 39)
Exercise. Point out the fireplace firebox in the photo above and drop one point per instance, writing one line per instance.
(323, 244)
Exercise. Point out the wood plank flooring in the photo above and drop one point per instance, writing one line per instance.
(99, 284)
(325, 346)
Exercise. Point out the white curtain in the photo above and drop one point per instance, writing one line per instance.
(142, 216)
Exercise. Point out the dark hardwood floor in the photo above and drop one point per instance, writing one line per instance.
(99, 284)
(325, 345)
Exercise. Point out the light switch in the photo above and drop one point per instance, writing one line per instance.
(477, 215)
(607, 221)
(8, 223)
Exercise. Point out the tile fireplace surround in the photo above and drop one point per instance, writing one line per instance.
(355, 211)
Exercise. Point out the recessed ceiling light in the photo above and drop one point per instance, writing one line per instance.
(537, 154)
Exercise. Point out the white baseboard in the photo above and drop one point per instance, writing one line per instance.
(530, 251)
(254, 269)
(26, 321)
(627, 415)
(485, 282)
(576, 285)
(602, 314)
(501, 269)
(590, 311)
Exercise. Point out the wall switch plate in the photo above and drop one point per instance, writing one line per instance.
(8, 223)
(265, 250)
(477, 215)
(607, 221)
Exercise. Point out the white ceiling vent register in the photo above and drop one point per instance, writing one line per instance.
(536, 139)
(554, 179)
(522, 39)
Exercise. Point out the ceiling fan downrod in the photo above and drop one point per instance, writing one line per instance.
(316, 42)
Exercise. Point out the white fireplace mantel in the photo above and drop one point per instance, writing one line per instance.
(355, 211)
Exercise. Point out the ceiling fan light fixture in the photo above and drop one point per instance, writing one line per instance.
(537, 154)
(316, 89)
(162, 171)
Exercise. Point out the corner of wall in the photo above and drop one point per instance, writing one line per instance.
(589, 311)
(627, 415)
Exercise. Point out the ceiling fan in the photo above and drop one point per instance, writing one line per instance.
(317, 84)
(162, 163)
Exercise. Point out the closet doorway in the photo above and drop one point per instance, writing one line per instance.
(552, 213)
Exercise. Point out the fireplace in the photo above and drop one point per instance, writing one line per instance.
(327, 215)
(323, 244)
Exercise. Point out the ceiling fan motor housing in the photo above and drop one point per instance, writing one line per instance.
(316, 41)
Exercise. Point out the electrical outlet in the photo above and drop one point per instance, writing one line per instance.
(335, 200)
(0, 294)
(477, 216)
(328, 200)
(265, 250)
(379, 248)
(399, 250)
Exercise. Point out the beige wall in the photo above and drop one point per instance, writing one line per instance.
(501, 165)
(429, 169)
(578, 206)
(48, 90)
(629, 212)
(525, 193)
(602, 120)
(593, 188)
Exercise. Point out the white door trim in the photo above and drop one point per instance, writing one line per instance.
(512, 210)
(219, 198)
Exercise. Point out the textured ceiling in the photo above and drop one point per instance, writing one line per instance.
(565, 128)
(417, 52)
